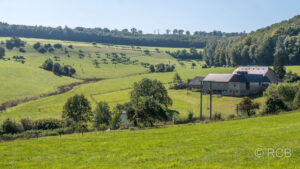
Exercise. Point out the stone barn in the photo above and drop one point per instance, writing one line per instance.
(243, 81)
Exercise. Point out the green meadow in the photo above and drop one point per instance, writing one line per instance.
(29, 80)
(223, 144)
(228, 144)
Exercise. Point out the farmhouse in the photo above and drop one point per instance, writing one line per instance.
(242, 82)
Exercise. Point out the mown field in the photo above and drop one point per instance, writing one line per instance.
(228, 144)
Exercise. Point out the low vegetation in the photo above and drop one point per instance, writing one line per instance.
(57, 69)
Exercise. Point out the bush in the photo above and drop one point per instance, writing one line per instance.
(12, 127)
(46, 124)
(296, 102)
(22, 50)
(190, 115)
(42, 50)
(37, 45)
(217, 116)
(274, 105)
(204, 66)
(68, 130)
(57, 46)
(27, 124)
(102, 127)
(247, 106)
(291, 77)
(230, 116)
(115, 121)
(50, 50)
(14, 42)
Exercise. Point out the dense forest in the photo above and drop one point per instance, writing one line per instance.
(261, 47)
(174, 38)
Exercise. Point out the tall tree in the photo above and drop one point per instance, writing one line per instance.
(102, 114)
(248, 106)
(133, 30)
(149, 102)
(168, 31)
(177, 79)
(77, 108)
(279, 55)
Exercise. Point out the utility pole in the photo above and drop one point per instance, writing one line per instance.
(210, 95)
(201, 91)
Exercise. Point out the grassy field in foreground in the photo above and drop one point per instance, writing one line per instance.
(228, 144)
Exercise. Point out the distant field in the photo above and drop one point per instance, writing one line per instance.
(294, 69)
(36, 81)
(28, 80)
(229, 144)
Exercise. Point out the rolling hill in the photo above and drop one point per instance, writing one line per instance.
(260, 47)
(229, 144)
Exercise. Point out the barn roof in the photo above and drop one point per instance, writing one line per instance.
(218, 77)
(258, 70)
(236, 78)
(196, 81)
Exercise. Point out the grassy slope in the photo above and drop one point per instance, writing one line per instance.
(229, 144)
(117, 91)
(20, 81)
(114, 90)
(36, 81)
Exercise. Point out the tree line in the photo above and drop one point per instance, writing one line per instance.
(185, 55)
(178, 37)
(281, 40)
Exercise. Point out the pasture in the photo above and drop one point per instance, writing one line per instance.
(228, 144)
(29, 80)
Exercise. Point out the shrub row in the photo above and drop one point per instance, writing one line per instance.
(11, 127)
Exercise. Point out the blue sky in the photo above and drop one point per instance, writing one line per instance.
(150, 15)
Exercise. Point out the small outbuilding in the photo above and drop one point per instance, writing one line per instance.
(196, 82)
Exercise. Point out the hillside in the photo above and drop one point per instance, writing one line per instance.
(29, 80)
(113, 83)
(280, 40)
(229, 144)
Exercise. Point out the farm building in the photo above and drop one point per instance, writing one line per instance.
(242, 82)
(196, 82)
(259, 70)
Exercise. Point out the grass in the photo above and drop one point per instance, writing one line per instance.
(36, 81)
(19, 81)
(229, 144)
(115, 87)
(111, 90)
